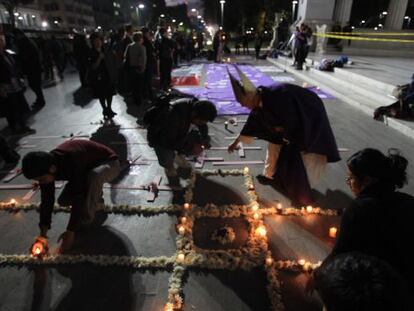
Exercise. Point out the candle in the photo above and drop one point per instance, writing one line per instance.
(183, 220)
(305, 84)
(309, 209)
(255, 207)
(181, 230)
(228, 59)
(332, 232)
(251, 187)
(180, 257)
(269, 261)
(226, 125)
(261, 231)
(246, 170)
(169, 307)
(256, 216)
(301, 262)
(186, 205)
(12, 201)
(37, 249)
(307, 266)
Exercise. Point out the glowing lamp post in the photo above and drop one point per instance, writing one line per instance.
(222, 2)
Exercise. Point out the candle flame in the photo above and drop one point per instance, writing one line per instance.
(255, 208)
(279, 206)
(12, 201)
(261, 230)
(183, 220)
(181, 229)
(180, 257)
(269, 260)
(37, 248)
(169, 307)
(301, 262)
(186, 205)
(309, 208)
(256, 216)
(332, 232)
(246, 170)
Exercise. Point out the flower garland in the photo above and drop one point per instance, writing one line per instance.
(113, 209)
(255, 253)
(161, 262)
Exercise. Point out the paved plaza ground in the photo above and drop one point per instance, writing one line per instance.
(70, 111)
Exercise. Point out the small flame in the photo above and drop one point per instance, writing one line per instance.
(309, 209)
(261, 230)
(12, 201)
(332, 232)
(186, 205)
(246, 170)
(301, 262)
(256, 216)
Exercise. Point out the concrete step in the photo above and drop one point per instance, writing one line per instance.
(354, 86)
(356, 99)
(362, 81)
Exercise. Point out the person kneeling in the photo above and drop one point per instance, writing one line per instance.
(86, 166)
(180, 129)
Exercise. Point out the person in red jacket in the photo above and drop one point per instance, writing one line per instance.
(86, 166)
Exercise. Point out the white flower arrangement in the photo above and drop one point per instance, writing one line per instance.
(255, 253)
(225, 235)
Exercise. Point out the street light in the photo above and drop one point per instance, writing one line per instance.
(294, 3)
(139, 7)
(222, 2)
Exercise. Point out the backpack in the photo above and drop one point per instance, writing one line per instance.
(154, 113)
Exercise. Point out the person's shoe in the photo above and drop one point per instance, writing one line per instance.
(264, 180)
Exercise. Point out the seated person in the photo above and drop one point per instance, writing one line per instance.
(356, 282)
(378, 222)
(86, 166)
(403, 108)
(179, 129)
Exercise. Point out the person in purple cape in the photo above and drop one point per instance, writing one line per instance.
(294, 122)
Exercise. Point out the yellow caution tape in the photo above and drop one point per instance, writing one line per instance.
(362, 38)
(372, 33)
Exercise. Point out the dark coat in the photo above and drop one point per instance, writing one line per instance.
(103, 78)
(378, 223)
(294, 117)
(170, 129)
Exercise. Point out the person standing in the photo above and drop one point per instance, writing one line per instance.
(29, 56)
(12, 100)
(136, 56)
(81, 53)
(258, 44)
(102, 74)
(165, 49)
(150, 64)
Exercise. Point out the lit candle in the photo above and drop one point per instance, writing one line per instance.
(186, 205)
(12, 201)
(332, 232)
(255, 207)
(279, 208)
(180, 257)
(246, 170)
(307, 266)
(169, 307)
(309, 209)
(183, 220)
(181, 230)
(301, 262)
(256, 216)
(226, 125)
(229, 59)
(251, 187)
(261, 231)
(37, 249)
(269, 261)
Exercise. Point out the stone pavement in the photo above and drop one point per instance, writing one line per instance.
(91, 287)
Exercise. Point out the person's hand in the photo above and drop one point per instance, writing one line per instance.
(234, 146)
(197, 149)
(67, 238)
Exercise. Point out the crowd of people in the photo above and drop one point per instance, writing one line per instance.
(368, 265)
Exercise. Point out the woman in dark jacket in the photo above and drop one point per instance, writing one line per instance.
(102, 74)
(13, 104)
(378, 222)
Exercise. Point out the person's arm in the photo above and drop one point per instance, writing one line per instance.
(47, 194)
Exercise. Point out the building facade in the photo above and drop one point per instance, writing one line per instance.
(26, 17)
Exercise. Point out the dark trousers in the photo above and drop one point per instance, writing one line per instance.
(137, 86)
(15, 110)
(165, 72)
(300, 56)
(148, 76)
(35, 83)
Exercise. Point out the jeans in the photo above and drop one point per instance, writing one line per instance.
(93, 200)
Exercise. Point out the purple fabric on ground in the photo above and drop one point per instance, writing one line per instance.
(218, 88)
